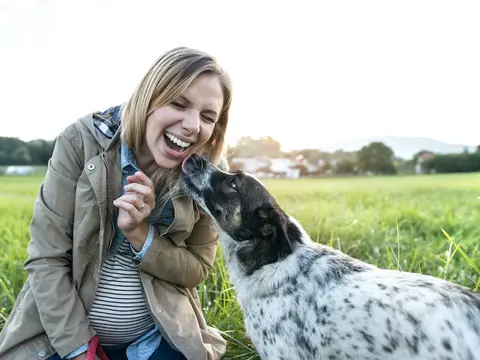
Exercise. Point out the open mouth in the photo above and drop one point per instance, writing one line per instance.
(175, 143)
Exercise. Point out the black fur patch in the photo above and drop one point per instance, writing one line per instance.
(273, 238)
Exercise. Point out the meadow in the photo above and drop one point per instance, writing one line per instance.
(426, 224)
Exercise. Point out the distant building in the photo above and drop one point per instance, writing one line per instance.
(421, 158)
(19, 170)
(264, 167)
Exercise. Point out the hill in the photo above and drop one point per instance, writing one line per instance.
(404, 147)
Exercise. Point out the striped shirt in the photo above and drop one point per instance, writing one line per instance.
(119, 313)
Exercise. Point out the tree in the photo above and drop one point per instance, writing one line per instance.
(376, 157)
(345, 166)
(21, 156)
(250, 147)
(40, 151)
(326, 167)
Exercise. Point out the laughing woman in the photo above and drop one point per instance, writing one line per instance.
(115, 252)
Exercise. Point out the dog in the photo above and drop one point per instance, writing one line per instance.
(304, 300)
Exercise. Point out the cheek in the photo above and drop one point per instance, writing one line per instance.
(151, 133)
(205, 133)
(160, 119)
(149, 126)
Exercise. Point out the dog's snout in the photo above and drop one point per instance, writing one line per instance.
(193, 162)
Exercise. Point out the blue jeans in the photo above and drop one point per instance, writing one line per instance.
(163, 352)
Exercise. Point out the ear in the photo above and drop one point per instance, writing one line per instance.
(272, 224)
(264, 220)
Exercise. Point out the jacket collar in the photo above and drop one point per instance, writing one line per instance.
(105, 126)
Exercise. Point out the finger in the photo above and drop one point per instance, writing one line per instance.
(143, 190)
(142, 178)
(136, 201)
(131, 209)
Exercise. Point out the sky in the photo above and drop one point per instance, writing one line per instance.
(307, 73)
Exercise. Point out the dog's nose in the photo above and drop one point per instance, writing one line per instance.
(192, 163)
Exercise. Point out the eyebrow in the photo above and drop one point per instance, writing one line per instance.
(212, 112)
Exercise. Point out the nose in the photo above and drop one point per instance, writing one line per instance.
(191, 122)
(193, 164)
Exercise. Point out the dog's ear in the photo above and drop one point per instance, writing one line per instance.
(264, 218)
(271, 224)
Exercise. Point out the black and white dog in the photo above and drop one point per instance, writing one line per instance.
(302, 300)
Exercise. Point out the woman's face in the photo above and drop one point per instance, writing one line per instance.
(180, 128)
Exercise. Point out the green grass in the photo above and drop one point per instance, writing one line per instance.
(426, 224)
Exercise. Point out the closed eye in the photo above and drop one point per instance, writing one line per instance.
(183, 107)
(208, 119)
(178, 105)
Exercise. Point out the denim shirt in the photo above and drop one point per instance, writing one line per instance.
(143, 347)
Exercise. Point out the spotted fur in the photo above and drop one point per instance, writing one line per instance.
(303, 300)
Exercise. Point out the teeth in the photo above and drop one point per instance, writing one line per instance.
(178, 141)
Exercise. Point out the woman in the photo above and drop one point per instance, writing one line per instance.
(116, 251)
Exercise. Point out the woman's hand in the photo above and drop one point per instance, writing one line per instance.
(135, 205)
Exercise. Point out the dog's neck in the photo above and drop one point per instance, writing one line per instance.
(248, 277)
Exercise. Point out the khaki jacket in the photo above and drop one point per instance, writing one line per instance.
(71, 230)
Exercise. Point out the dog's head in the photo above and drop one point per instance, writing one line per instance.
(239, 203)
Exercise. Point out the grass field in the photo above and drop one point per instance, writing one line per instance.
(427, 224)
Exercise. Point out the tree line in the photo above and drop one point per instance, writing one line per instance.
(453, 163)
(376, 157)
(14, 151)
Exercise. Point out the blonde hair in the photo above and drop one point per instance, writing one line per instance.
(167, 79)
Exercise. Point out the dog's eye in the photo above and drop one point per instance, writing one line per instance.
(232, 184)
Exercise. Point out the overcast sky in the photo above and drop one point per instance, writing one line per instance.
(327, 71)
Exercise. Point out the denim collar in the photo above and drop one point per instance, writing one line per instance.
(127, 160)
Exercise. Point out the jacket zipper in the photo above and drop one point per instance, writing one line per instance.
(108, 213)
